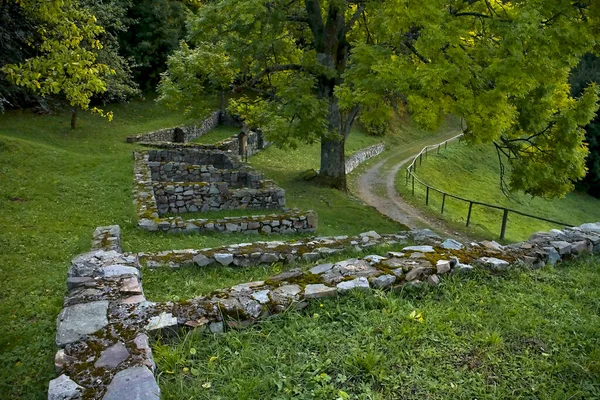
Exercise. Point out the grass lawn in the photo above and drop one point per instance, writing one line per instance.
(473, 173)
(218, 134)
(525, 334)
(57, 185)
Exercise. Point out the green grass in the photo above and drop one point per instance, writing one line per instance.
(57, 185)
(218, 134)
(473, 173)
(526, 334)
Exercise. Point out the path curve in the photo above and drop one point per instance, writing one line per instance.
(391, 204)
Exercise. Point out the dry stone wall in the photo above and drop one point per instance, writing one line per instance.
(184, 172)
(363, 155)
(154, 199)
(104, 329)
(179, 197)
(188, 133)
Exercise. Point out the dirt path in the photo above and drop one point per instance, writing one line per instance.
(376, 187)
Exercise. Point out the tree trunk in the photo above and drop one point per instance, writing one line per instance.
(74, 118)
(333, 163)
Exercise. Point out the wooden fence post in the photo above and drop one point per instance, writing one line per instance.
(469, 216)
(443, 202)
(504, 222)
(427, 197)
(413, 186)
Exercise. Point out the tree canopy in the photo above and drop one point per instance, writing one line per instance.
(306, 70)
(65, 56)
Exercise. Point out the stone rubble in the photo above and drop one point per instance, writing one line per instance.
(110, 357)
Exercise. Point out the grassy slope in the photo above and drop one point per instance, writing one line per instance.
(218, 134)
(473, 173)
(526, 334)
(57, 185)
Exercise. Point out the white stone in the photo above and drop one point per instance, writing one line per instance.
(591, 227)
(162, 321)
(420, 249)
(318, 290)
(443, 267)
(224, 258)
(374, 259)
(63, 388)
(359, 283)
(451, 244)
(113, 271)
(494, 264)
(384, 281)
(370, 234)
(262, 296)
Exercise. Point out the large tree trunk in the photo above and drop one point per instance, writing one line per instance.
(333, 163)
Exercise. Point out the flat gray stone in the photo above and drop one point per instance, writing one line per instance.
(370, 234)
(384, 281)
(443, 267)
(202, 261)
(224, 258)
(420, 249)
(79, 320)
(581, 247)
(462, 269)
(318, 290)
(319, 269)
(494, 264)
(562, 247)
(112, 356)
(162, 321)
(451, 244)
(591, 227)
(492, 245)
(396, 254)
(433, 280)
(216, 327)
(269, 258)
(553, 256)
(63, 388)
(359, 283)
(417, 273)
(288, 291)
(113, 271)
(142, 342)
(136, 383)
(358, 268)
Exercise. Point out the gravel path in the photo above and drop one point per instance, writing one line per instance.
(376, 187)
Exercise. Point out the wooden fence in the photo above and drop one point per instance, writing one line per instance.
(410, 175)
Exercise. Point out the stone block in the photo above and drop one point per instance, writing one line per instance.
(493, 264)
(359, 283)
(451, 244)
(136, 383)
(112, 356)
(443, 267)
(64, 388)
(224, 258)
(384, 281)
(318, 291)
(420, 249)
(79, 320)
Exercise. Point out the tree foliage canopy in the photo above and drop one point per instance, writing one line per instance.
(65, 57)
(305, 70)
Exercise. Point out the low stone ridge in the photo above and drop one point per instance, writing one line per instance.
(263, 252)
(363, 155)
(115, 362)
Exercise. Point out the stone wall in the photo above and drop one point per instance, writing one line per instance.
(179, 197)
(193, 156)
(188, 133)
(149, 214)
(255, 143)
(363, 155)
(184, 172)
(104, 328)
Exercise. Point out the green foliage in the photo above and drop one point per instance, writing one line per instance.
(307, 69)
(66, 61)
(155, 30)
(112, 16)
(472, 172)
(520, 335)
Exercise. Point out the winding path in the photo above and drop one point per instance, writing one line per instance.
(376, 187)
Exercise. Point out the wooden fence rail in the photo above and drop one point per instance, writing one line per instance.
(410, 175)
